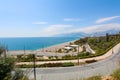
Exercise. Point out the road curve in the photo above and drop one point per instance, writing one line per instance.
(108, 54)
(103, 67)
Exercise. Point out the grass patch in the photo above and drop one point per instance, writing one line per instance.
(91, 61)
(94, 78)
(67, 64)
(116, 74)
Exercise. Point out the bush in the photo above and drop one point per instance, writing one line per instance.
(82, 55)
(116, 74)
(59, 51)
(67, 64)
(19, 75)
(91, 61)
(24, 66)
(52, 65)
(57, 64)
(25, 58)
(30, 57)
(69, 57)
(6, 66)
(47, 65)
(95, 78)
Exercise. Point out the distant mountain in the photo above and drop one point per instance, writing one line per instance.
(96, 30)
(82, 34)
(74, 34)
(114, 31)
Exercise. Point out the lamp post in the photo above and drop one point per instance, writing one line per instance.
(78, 55)
(34, 66)
(112, 51)
(24, 50)
(4, 51)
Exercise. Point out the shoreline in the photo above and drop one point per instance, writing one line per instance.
(56, 46)
(108, 54)
(50, 49)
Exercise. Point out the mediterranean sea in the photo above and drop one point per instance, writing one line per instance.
(33, 43)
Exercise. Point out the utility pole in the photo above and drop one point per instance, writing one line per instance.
(78, 54)
(43, 48)
(112, 51)
(24, 49)
(4, 50)
(5, 53)
(7, 48)
(34, 67)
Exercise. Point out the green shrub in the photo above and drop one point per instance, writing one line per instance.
(24, 66)
(6, 66)
(95, 78)
(30, 57)
(69, 57)
(91, 61)
(57, 64)
(59, 51)
(116, 74)
(25, 58)
(67, 64)
(47, 65)
(52, 65)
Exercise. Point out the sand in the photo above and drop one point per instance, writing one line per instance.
(48, 50)
(114, 50)
(54, 47)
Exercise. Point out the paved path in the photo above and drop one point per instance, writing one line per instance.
(108, 54)
(39, 53)
(88, 48)
(103, 67)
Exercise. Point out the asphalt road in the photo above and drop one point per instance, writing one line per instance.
(103, 67)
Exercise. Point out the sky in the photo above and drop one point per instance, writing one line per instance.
(42, 18)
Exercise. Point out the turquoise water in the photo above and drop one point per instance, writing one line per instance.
(33, 43)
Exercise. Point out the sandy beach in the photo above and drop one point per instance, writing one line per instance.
(55, 47)
(48, 50)
(114, 50)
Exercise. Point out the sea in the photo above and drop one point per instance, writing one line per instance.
(33, 43)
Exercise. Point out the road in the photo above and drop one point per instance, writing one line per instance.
(98, 58)
(88, 48)
(103, 67)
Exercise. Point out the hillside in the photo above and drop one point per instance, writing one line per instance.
(99, 44)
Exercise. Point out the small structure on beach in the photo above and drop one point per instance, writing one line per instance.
(45, 57)
(67, 49)
(70, 48)
(74, 46)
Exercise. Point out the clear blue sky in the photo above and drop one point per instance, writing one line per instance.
(31, 18)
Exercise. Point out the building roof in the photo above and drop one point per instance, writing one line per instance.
(68, 48)
(73, 45)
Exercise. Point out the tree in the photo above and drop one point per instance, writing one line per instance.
(6, 66)
(107, 37)
(3, 50)
(19, 75)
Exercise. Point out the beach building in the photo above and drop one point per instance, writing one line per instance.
(45, 57)
(74, 46)
(70, 48)
(67, 49)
